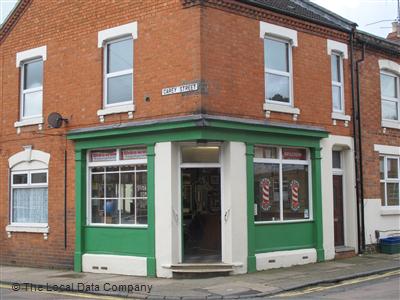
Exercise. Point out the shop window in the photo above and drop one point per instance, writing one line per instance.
(390, 180)
(281, 184)
(29, 197)
(118, 186)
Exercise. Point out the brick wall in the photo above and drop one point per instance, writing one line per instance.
(166, 53)
(372, 131)
(227, 53)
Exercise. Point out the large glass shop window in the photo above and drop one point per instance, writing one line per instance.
(281, 184)
(118, 186)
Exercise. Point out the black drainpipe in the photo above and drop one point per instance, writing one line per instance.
(355, 118)
(360, 151)
(358, 144)
(65, 198)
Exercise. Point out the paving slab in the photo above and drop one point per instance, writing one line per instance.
(230, 287)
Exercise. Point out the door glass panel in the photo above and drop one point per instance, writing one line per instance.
(200, 154)
(336, 163)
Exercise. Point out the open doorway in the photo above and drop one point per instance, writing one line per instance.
(201, 214)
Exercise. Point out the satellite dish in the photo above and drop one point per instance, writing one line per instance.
(55, 120)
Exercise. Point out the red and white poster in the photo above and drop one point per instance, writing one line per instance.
(127, 154)
(97, 156)
(265, 185)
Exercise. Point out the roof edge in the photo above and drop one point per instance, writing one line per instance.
(13, 18)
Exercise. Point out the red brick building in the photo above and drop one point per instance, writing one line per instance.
(197, 131)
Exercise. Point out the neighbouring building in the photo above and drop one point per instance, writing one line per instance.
(379, 75)
(146, 137)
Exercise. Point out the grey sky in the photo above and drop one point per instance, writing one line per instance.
(362, 12)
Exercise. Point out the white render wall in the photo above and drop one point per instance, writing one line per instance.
(344, 144)
(167, 207)
(234, 206)
(378, 217)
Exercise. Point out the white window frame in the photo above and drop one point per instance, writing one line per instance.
(115, 163)
(386, 180)
(29, 185)
(288, 74)
(337, 83)
(23, 92)
(106, 75)
(281, 161)
(390, 99)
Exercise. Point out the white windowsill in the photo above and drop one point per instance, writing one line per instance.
(391, 124)
(34, 228)
(116, 109)
(390, 210)
(340, 116)
(127, 108)
(286, 109)
(28, 122)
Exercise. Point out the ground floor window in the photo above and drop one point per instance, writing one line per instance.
(281, 184)
(29, 197)
(118, 186)
(390, 180)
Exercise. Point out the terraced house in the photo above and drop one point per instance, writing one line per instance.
(159, 138)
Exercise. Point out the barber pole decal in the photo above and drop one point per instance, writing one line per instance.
(265, 185)
(294, 187)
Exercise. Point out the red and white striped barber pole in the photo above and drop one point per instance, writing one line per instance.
(294, 202)
(265, 185)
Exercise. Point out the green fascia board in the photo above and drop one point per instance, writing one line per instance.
(197, 127)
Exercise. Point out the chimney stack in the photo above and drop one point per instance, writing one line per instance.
(394, 36)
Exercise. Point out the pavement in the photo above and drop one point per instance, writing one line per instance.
(258, 284)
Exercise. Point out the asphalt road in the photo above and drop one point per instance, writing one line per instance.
(381, 286)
